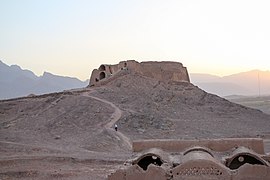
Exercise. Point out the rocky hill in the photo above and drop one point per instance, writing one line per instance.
(71, 132)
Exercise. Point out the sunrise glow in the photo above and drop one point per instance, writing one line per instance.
(71, 37)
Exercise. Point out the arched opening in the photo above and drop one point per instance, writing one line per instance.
(150, 159)
(198, 149)
(102, 68)
(240, 160)
(125, 64)
(102, 75)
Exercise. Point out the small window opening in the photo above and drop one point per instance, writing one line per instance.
(146, 161)
(242, 159)
(97, 80)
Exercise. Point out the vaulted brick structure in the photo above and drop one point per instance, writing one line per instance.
(217, 159)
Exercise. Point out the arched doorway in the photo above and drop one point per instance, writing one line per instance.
(102, 75)
(149, 159)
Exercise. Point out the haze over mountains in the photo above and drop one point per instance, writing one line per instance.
(16, 82)
(250, 83)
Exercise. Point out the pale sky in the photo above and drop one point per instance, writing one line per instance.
(72, 37)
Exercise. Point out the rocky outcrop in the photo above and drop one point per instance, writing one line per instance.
(162, 71)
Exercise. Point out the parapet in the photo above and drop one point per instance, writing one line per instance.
(219, 145)
(198, 159)
(163, 71)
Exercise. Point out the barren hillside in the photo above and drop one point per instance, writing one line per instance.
(70, 133)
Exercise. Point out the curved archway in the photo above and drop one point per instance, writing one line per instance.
(199, 149)
(243, 158)
(102, 75)
(147, 160)
(102, 67)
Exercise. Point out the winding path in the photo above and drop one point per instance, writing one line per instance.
(116, 115)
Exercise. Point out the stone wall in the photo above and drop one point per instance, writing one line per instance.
(162, 71)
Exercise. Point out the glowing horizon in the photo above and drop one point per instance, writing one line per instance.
(71, 37)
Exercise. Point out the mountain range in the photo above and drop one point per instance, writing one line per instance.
(250, 83)
(16, 82)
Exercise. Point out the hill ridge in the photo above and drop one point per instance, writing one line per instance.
(62, 127)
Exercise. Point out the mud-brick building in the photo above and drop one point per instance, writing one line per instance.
(162, 71)
(215, 159)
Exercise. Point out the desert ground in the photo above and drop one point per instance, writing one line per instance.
(70, 135)
(257, 102)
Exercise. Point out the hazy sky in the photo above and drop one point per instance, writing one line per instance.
(71, 37)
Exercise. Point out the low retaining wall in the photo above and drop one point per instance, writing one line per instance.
(221, 145)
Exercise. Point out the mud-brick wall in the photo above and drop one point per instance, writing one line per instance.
(165, 71)
(220, 145)
(162, 71)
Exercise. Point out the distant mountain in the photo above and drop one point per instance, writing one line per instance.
(253, 82)
(16, 82)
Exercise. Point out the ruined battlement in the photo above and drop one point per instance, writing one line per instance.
(163, 71)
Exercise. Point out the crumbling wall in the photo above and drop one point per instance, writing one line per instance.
(162, 71)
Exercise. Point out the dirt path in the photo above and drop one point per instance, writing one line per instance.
(113, 119)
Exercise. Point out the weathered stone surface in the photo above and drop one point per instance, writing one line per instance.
(162, 71)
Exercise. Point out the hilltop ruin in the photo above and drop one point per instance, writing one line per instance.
(224, 158)
(167, 129)
(162, 71)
